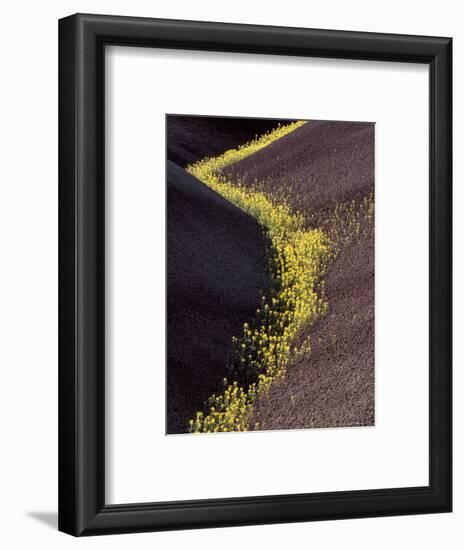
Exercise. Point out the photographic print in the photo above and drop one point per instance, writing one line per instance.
(270, 274)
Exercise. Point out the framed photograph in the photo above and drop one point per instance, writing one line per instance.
(255, 274)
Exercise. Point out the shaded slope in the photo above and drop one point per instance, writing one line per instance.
(192, 138)
(216, 269)
(324, 163)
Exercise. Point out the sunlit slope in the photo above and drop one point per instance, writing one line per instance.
(325, 172)
(314, 168)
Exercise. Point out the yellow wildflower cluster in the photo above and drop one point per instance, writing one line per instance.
(209, 166)
(302, 350)
(348, 221)
(298, 259)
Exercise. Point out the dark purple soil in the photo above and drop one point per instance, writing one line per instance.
(324, 163)
(316, 167)
(333, 385)
(216, 269)
(192, 138)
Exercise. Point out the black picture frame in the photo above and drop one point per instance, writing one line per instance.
(82, 508)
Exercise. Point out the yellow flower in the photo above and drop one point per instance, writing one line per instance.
(298, 259)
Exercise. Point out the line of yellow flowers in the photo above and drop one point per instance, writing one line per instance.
(298, 260)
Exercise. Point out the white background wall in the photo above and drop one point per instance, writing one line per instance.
(28, 273)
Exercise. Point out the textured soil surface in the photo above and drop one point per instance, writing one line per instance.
(334, 384)
(216, 267)
(192, 138)
(316, 167)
